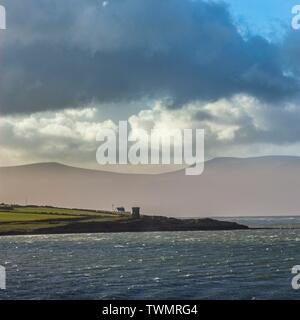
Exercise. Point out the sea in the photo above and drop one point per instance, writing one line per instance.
(246, 264)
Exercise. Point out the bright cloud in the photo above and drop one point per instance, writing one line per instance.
(239, 126)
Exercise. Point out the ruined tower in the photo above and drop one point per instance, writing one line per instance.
(136, 212)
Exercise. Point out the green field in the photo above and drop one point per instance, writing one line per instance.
(27, 219)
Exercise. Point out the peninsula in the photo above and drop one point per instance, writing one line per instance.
(32, 220)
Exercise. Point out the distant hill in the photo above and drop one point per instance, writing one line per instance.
(228, 187)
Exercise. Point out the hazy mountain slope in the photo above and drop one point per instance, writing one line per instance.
(228, 186)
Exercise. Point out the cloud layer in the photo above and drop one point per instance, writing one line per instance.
(69, 68)
(63, 54)
(239, 126)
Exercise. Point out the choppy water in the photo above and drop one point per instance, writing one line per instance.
(179, 265)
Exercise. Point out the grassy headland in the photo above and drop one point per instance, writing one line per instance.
(25, 220)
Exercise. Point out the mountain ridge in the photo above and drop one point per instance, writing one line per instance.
(267, 185)
(207, 162)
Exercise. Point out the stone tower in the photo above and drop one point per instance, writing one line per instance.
(136, 212)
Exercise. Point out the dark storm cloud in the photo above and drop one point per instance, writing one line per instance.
(57, 54)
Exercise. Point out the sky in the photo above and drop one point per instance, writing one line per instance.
(71, 68)
(269, 18)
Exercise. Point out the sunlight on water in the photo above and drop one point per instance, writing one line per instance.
(183, 265)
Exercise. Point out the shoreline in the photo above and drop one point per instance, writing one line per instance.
(112, 232)
(32, 220)
(2, 235)
(144, 224)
